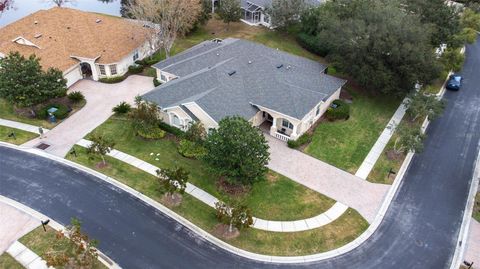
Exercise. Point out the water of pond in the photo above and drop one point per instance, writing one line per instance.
(12, 10)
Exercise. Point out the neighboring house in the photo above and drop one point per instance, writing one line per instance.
(282, 93)
(255, 12)
(80, 44)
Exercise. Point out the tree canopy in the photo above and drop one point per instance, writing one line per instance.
(23, 82)
(381, 46)
(237, 150)
(229, 11)
(284, 13)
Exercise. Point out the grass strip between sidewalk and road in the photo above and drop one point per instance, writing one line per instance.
(20, 135)
(40, 242)
(8, 262)
(343, 230)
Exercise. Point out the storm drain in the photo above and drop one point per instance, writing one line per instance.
(42, 146)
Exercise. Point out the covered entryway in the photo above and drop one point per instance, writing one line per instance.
(86, 69)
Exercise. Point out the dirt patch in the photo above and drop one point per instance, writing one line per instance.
(393, 155)
(223, 231)
(236, 190)
(173, 200)
(102, 165)
(346, 96)
(271, 177)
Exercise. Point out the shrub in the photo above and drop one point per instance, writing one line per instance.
(156, 83)
(122, 108)
(151, 132)
(342, 111)
(302, 140)
(171, 129)
(312, 44)
(112, 80)
(141, 62)
(135, 69)
(76, 97)
(190, 149)
(61, 113)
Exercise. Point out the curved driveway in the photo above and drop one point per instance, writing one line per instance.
(419, 230)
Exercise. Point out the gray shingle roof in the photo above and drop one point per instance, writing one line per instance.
(293, 89)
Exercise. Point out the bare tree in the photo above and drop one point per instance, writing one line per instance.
(60, 3)
(169, 19)
(5, 5)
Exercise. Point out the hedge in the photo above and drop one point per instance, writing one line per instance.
(151, 133)
(171, 129)
(135, 69)
(156, 83)
(61, 113)
(342, 111)
(190, 149)
(312, 44)
(113, 80)
(302, 140)
(76, 97)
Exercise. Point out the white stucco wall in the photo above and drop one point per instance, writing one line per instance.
(204, 118)
(311, 117)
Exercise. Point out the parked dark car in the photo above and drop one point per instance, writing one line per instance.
(454, 82)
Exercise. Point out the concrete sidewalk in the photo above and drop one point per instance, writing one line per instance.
(27, 257)
(101, 98)
(473, 246)
(13, 225)
(350, 190)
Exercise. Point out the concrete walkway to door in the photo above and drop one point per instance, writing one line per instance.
(101, 98)
(350, 190)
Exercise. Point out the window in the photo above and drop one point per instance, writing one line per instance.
(176, 120)
(287, 124)
(266, 18)
(318, 111)
(163, 77)
(135, 55)
(102, 70)
(113, 69)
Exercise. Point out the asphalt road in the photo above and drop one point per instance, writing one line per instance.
(419, 231)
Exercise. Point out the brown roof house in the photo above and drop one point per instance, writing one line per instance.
(81, 44)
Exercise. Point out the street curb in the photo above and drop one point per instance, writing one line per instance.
(462, 240)
(55, 225)
(207, 236)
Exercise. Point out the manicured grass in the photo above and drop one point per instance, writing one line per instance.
(476, 207)
(436, 85)
(20, 136)
(380, 172)
(345, 229)
(40, 242)
(8, 262)
(345, 144)
(217, 29)
(276, 198)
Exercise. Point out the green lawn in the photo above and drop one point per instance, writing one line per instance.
(40, 242)
(380, 172)
(345, 144)
(8, 262)
(276, 198)
(20, 136)
(217, 29)
(476, 207)
(345, 229)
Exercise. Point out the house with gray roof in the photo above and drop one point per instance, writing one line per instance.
(255, 12)
(283, 93)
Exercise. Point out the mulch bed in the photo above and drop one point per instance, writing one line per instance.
(101, 165)
(172, 200)
(393, 155)
(30, 112)
(236, 190)
(222, 231)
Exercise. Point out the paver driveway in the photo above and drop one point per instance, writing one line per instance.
(101, 98)
(344, 187)
(13, 225)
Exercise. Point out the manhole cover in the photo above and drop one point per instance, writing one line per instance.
(43, 146)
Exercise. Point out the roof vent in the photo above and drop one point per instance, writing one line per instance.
(35, 22)
(38, 35)
(217, 40)
(218, 54)
(98, 21)
(231, 73)
(288, 67)
(249, 62)
(68, 27)
(279, 66)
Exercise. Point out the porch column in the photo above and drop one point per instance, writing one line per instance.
(294, 132)
(273, 128)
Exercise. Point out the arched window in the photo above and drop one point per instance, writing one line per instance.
(176, 120)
